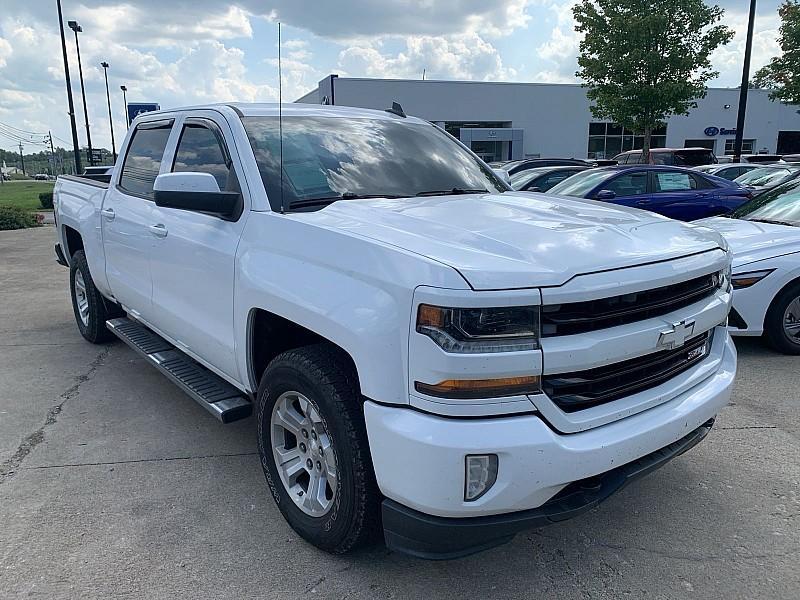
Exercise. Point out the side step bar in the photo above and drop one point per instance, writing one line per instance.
(212, 392)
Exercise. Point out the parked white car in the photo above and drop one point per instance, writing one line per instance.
(764, 237)
(429, 355)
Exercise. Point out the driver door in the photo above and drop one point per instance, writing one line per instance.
(193, 259)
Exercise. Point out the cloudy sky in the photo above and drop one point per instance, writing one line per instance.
(179, 52)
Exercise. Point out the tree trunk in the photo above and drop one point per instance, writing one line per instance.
(646, 146)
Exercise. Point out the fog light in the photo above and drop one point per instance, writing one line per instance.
(481, 474)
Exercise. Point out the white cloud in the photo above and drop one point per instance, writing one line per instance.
(466, 56)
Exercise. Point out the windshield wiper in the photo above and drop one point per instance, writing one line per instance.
(325, 200)
(452, 192)
(773, 222)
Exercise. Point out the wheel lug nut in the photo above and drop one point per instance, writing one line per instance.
(319, 466)
(305, 433)
(309, 464)
(321, 452)
(302, 447)
(313, 434)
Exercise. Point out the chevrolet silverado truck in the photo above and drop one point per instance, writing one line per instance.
(429, 355)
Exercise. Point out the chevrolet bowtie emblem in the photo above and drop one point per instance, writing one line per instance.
(676, 335)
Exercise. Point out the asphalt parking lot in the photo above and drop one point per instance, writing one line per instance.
(115, 484)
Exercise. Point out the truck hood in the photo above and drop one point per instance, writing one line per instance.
(517, 240)
(751, 241)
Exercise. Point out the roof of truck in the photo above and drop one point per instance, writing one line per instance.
(270, 109)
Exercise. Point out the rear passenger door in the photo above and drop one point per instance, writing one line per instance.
(681, 195)
(193, 257)
(126, 216)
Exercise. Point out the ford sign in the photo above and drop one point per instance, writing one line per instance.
(711, 131)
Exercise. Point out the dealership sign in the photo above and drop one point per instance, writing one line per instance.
(712, 131)
(137, 108)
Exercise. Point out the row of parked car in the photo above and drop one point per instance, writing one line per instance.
(754, 205)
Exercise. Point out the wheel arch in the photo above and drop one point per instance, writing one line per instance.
(269, 334)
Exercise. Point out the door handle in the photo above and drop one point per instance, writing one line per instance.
(158, 230)
(642, 202)
(108, 213)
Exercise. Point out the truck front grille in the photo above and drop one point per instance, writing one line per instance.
(591, 315)
(583, 389)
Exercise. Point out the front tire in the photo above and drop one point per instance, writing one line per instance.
(782, 323)
(314, 451)
(90, 308)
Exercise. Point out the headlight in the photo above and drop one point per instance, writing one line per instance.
(745, 280)
(476, 330)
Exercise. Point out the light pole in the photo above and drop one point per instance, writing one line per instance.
(77, 28)
(110, 121)
(125, 101)
(75, 148)
(748, 48)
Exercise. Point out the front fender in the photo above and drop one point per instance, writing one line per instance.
(355, 292)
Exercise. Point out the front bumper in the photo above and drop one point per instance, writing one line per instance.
(440, 538)
(419, 458)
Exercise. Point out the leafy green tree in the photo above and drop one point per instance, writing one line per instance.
(782, 74)
(644, 60)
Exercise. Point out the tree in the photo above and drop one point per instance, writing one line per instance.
(644, 61)
(782, 74)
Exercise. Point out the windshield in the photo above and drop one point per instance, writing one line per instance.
(781, 205)
(582, 183)
(331, 158)
(521, 179)
(762, 176)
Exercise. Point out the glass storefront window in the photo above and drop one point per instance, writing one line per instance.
(609, 139)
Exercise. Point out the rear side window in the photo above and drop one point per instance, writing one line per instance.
(629, 184)
(674, 182)
(200, 150)
(143, 160)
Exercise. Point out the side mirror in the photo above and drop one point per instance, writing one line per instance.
(605, 195)
(198, 192)
(503, 174)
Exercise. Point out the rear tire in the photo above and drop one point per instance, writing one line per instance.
(318, 381)
(782, 323)
(91, 309)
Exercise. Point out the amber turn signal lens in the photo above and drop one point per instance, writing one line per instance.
(464, 389)
(430, 316)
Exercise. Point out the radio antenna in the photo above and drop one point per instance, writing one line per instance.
(280, 114)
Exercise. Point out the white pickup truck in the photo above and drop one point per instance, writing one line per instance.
(429, 355)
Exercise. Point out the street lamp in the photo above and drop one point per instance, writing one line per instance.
(125, 101)
(110, 121)
(75, 149)
(77, 28)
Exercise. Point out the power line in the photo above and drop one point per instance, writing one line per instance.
(21, 130)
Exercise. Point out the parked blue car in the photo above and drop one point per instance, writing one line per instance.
(675, 192)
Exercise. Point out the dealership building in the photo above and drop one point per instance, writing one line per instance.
(503, 121)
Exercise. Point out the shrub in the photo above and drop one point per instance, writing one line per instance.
(12, 217)
(46, 199)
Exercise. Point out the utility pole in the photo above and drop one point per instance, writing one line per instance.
(52, 152)
(748, 49)
(110, 121)
(125, 102)
(22, 158)
(75, 148)
(77, 28)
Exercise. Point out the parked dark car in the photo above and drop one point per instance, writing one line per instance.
(679, 157)
(517, 166)
(675, 192)
(542, 179)
(767, 177)
(729, 171)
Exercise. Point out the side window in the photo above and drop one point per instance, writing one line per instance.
(552, 179)
(622, 158)
(200, 150)
(673, 181)
(628, 184)
(143, 160)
